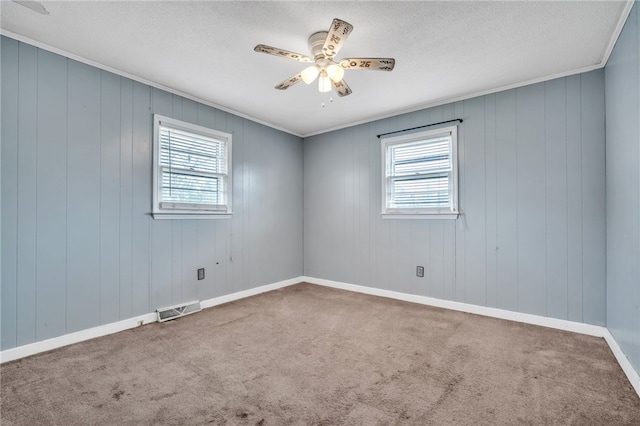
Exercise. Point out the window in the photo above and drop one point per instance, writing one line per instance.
(191, 171)
(420, 175)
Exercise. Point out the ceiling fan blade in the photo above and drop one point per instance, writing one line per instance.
(281, 52)
(342, 88)
(338, 33)
(381, 64)
(33, 5)
(289, 82)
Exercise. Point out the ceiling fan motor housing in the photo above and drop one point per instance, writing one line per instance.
(316, 42)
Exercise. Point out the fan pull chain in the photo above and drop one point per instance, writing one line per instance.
(330, 101)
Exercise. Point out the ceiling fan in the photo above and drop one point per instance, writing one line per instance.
(324, 46)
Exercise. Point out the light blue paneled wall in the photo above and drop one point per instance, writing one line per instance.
(79, 247)
(622, 84)
(532, 191)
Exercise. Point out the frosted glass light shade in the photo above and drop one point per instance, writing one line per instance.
(335, 72)
(309, 74)
(324, 82)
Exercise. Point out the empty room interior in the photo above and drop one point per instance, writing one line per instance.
(358, 213)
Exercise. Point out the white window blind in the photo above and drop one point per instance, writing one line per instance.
(420, 173)
(192, 169)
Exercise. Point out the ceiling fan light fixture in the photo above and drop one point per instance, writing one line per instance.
(324, 46)
(309, 74)
(335, 72)
(324, 82)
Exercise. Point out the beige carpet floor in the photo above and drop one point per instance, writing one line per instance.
(309, 355)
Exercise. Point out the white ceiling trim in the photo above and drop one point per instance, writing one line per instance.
(616, 34)
(445, 101)
(103, 67)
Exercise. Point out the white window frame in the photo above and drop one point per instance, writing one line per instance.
(450, 212)
(162, 210)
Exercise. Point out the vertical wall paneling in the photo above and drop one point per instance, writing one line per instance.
(51, 205)
(226, 121)
(335, 213)
(252, 199)
(622, 86)
(176, 262)
(630, 323)
(556, 194)
(506, 201)
(344, 218)
(475, 202)
(364, 217)
(10, 81)
(188, 289)
(236, 226)
(125, 239)
(27, 195)
(593, 198)
(83, 197)
(223, 229)
(247, 201)
(384, 256)
(429, 250)
(574, 198)
(523, 191)
(255, 200)
(449, 229)
(109, 197)
(355, 215)
(79, 246)
(311, 193)
(531, 199)
(216, 234)
(371, 209)
(461, 226)
(387, 257)
(490, 197)
(141, 199)
(292, 181)
(351, 196)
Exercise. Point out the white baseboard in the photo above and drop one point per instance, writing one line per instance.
(624, 362)
(247, 293)
(576, 327)
(115, 327)
(71, 338)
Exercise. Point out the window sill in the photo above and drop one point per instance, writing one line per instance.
(191, 216)
(453, 215)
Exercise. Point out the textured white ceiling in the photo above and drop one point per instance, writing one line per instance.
(443, 50)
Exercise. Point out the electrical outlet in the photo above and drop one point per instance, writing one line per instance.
(201, 274)
(420, 271)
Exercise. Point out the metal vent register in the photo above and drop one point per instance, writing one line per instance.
(177, 311)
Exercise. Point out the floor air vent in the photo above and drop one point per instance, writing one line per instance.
(177, 311)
